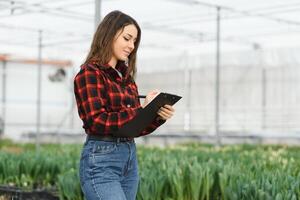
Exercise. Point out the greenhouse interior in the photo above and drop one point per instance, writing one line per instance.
(233, 134)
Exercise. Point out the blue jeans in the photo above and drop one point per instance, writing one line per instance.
(109, 170)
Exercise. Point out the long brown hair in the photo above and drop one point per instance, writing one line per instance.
(101, 47)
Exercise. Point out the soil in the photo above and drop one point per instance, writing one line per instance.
(15, 193)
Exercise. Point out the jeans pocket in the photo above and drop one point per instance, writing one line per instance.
(103, 147)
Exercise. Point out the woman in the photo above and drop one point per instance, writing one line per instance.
(107, 98)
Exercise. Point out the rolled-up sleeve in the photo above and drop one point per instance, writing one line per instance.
(152, 127)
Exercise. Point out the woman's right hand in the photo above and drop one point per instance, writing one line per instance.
(150, 96)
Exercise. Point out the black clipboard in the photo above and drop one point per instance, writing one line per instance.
(146, 116)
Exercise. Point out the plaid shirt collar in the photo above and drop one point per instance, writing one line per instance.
(121, 67)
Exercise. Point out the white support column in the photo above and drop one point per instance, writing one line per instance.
(97, 13)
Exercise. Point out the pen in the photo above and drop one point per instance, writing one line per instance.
(142, 96)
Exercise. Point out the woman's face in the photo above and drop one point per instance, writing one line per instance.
(123, 43)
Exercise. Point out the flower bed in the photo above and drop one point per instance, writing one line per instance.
(185, 172)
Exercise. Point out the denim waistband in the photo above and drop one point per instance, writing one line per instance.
(108, 138)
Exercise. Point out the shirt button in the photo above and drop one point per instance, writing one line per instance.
(128, 105)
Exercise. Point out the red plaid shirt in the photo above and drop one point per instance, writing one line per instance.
(105, 101)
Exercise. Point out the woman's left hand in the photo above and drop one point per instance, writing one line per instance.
(166, 112)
